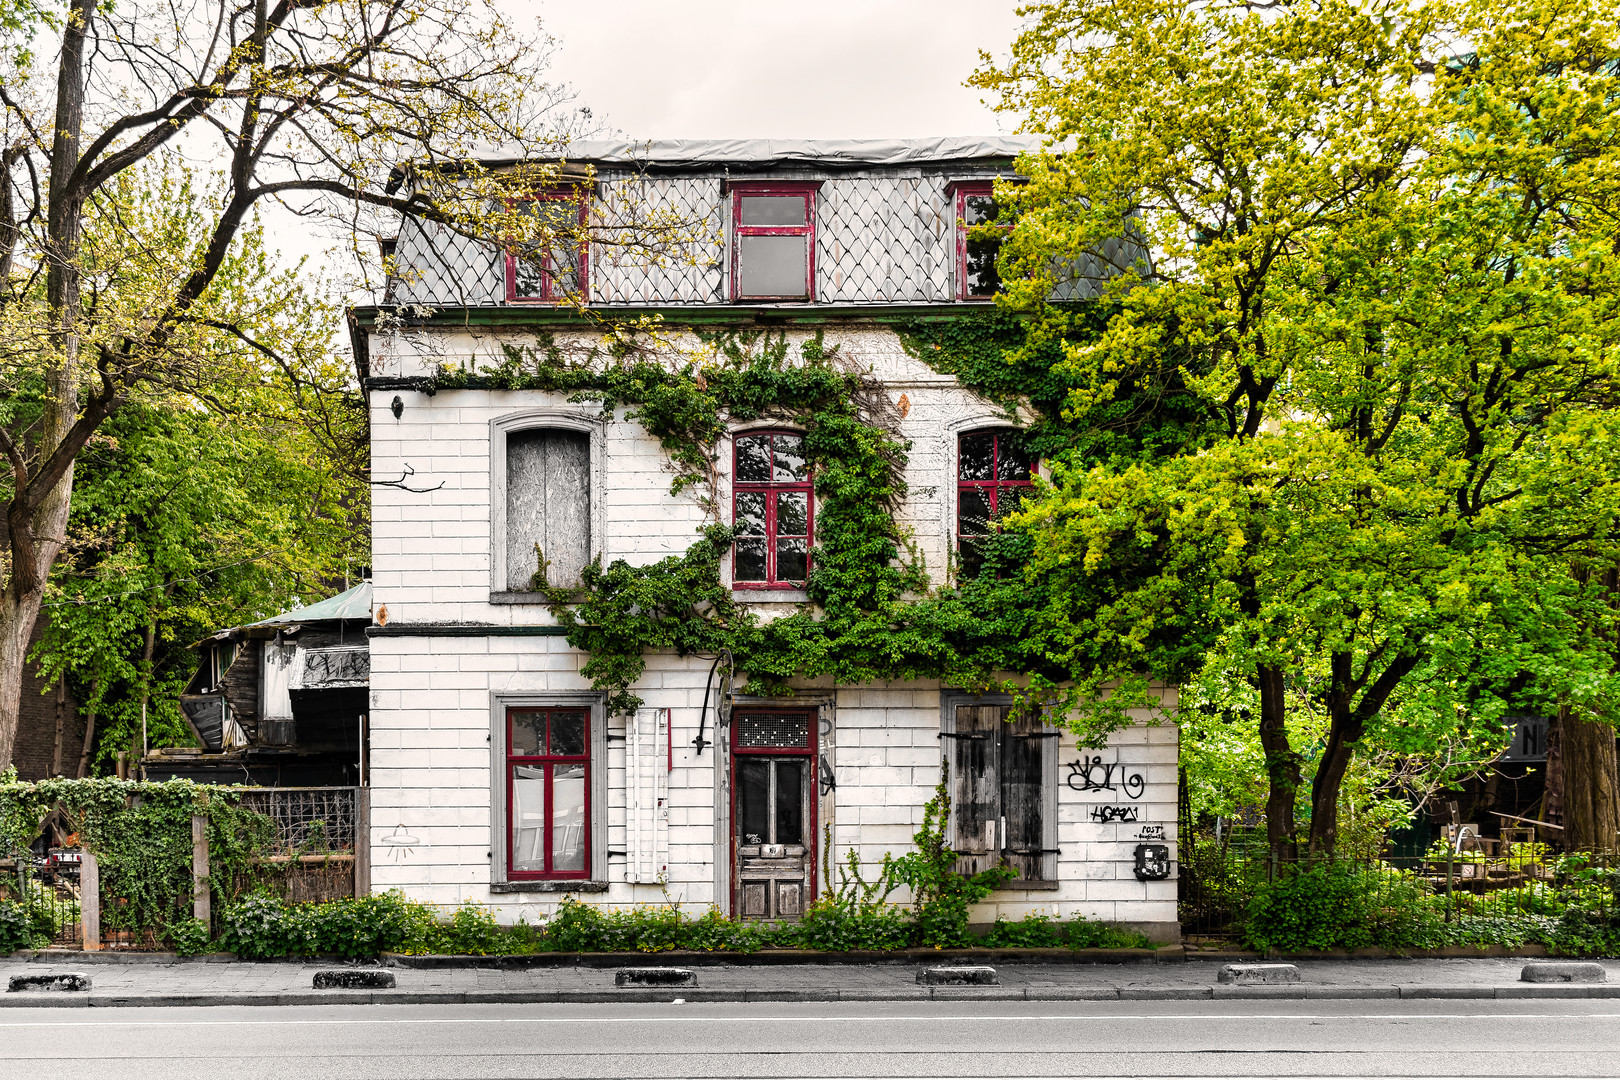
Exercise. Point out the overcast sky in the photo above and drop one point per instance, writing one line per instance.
(773, 68)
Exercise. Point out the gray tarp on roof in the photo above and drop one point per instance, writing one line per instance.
(708, 153)
(354, 604)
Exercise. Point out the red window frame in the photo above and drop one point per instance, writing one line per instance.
(992, 487)
(806, 191)
(546, 761)
(771, 490)
(808, 752)
(963, 192)
(549, 294)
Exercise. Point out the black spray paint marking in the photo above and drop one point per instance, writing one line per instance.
(1094, 775)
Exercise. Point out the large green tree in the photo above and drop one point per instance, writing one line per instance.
(1383, 252)
(352, 106)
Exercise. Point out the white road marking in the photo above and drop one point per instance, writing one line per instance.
(687, 1018)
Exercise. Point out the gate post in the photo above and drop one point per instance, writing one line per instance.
(90, 902)
(199, 868)
(362, 842)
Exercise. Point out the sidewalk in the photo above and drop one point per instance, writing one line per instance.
(150, 982)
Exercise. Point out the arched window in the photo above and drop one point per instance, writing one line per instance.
(772, 511)
(992, 477)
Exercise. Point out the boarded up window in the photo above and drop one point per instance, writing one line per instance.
(548, 503)
(1001, 792)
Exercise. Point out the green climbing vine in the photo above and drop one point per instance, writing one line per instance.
(140, 833)
(870, 611)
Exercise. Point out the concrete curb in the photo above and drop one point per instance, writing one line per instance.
(95, 999)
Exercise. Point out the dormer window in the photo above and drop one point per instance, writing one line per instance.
(773, 241)
(548, 265)
(976, 276)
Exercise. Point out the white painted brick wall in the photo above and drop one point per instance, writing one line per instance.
(431, 775)
(430, 722)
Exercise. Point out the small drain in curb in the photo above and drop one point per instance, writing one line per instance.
(1564, 973)
(354, 979)
(49, 980)
(655, 976)
(959, 976)
(1247, 974)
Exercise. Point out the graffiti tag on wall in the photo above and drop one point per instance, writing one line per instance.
(1095, 775)
(1105, 814)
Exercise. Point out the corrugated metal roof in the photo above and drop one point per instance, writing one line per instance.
(353, 604)
(700, 153)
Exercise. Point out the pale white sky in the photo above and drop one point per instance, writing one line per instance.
(778, 68)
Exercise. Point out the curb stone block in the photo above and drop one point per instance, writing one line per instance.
(655, 976)
(975, 975)
(1563, 971)
(50, 980)
(354, 979)
(1246, 974)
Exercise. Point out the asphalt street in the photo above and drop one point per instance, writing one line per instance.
(881, 1039)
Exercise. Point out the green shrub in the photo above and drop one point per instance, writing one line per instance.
(190, 937)
(1085, 934)
(16, 927)
(255, 927)
(1338, 905)
(1035, 931)
(836, 925)
(471, 931)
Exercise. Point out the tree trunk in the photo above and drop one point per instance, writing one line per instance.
(1282, 765)
(1584, 790)
(38, 525)
(1348, 717)
(89, 730)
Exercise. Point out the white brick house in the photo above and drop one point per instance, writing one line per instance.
(470, 672)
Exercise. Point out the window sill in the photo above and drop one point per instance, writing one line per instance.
(769, 596)
(571, 885)
(1019, 885)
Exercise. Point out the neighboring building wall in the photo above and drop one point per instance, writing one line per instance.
(36, 727)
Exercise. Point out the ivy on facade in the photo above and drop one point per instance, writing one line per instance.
(871, 613)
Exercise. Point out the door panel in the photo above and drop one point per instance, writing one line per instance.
(772, 815)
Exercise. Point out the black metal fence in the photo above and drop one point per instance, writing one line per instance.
(48, 893)
(1456, 879)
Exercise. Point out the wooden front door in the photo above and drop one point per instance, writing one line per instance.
(773, 812)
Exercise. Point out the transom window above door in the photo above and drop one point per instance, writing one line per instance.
(773, 241)
(772, 511)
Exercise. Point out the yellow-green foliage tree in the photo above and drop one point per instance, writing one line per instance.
(358, 107)
(1384, 257)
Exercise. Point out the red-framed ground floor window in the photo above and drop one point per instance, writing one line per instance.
(548, 777)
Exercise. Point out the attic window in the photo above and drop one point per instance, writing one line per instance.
(549, 265)
(976, 276)
(773, 241)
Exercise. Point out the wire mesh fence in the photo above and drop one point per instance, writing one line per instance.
(309, 820)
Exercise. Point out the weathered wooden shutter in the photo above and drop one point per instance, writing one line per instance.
(646, 768)
(1023, 795)
(548, 502)
(975, 747)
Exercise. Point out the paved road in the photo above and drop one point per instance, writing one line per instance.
(896, 1039)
